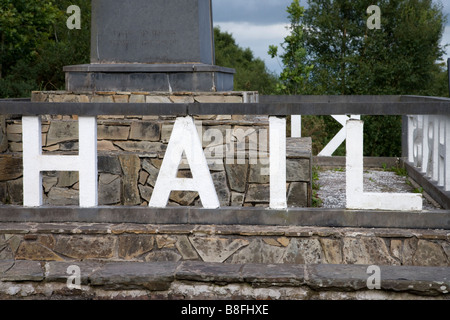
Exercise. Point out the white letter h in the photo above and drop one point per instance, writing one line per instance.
(34, 162)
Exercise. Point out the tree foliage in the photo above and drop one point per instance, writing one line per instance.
(251, 73)
(294, 76)
(35, 45)
(348, 58)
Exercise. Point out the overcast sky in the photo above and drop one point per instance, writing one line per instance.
(256, 24)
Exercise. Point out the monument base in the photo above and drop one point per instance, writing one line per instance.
(149, 77)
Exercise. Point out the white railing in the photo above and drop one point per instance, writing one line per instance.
(429, 147)
(338, 139)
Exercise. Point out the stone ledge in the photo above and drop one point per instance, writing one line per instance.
(319, 217)
(165, 279)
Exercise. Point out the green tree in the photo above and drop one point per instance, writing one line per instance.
(36, 44)
(350, 59)
(251, 73)
(294, 76)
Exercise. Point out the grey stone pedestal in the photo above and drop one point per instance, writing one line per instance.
(149, 77)
(151, 45)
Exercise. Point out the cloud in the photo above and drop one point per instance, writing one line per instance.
(259, 12)
(256, 24)
(258, 38)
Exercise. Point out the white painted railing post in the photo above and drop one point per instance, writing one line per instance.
(277, 145)
(429, 147)
(444, 153)
(296, 126)
(34, 163)
(339, 138)
(356, 197)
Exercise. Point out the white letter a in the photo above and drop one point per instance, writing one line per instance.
(185, 139)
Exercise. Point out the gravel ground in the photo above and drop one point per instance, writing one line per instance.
(332, 187)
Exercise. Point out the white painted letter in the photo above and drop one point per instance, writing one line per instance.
(277, 148)
(34, 162)
(356, 197)
(74, 21)
(185, 139)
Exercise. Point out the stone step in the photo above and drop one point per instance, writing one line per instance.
(200, 280)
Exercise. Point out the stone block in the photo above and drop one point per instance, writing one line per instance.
(23, 271)
(102, 99)
(62, 197)
(220, 184)
(206, 272)
(86, 247)
(184, 198)
(109, 164)
(157, 99)
(163, 256)
(218, 99)
(304, 251)
(259, 173)
(137, 98)
(133, 246)
(298, 170)
(429, 253)
(61, 131)
(151, 170)
(134, 276)
(131, 165)
(368, 250)
(182, 99)
(15, 191)
(237, 199)
(165, 241)
(148, 131)
(237, 176)
(10, 167)
(152, 149)
(105, 132)
(186, 249)
(146, 192)
(331, 250)
(36, 251)
(259, 252)
(119, 98)
(212, 249)
(67, 178)
(109, 189)
(298, 195)
(104, 145)
(258, 193)
(262, 275)
(143, 176)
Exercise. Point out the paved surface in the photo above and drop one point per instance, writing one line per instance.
(332, 186)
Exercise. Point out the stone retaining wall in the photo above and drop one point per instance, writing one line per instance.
(131, 149)
(234, 244)
(197, 280)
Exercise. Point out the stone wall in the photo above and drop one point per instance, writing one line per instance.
(191, 280)
(131, 149)
(233, 244)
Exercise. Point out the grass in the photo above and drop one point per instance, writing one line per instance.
(400, 171)
(316, 201)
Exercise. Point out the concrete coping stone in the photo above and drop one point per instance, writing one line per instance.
(319, 217)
